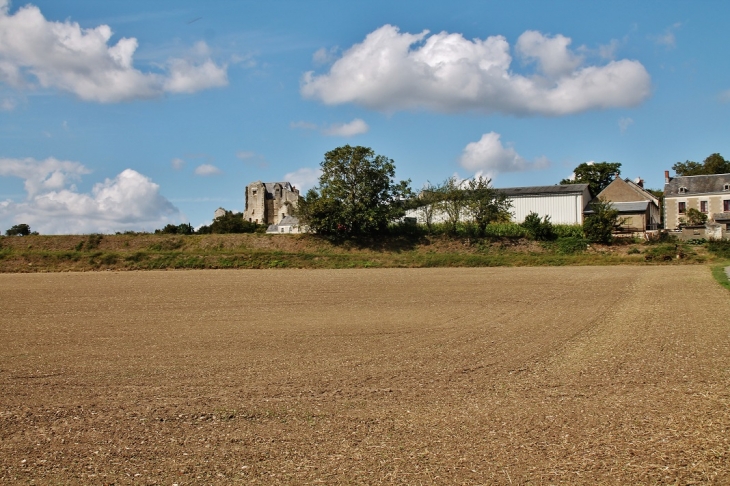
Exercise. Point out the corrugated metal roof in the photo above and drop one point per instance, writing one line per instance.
(543, 190)
(700, 184)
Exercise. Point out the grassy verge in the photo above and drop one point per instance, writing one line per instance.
(253, 251)
(718, 271)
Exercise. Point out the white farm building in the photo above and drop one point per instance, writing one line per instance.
(563, 203)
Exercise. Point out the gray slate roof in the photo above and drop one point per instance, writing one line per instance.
(625, 207)
(701, 184)
(543, 190)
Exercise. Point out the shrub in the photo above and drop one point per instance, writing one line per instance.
(721, 248)
(599, 226)
(568, 231)
(571, 245)
(538, 229)
(505, 230)
(93, 241)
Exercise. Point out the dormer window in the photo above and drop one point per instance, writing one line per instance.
(682, 190)
(726, 187)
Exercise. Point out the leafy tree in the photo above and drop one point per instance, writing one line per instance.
(484, 203)
(453, 202)
(19, 230)
(229, 222)
(600, 225)
(537, 228)
(714, 164)
(597, 175)
(357, 194)
(695, 217)
(427, 203)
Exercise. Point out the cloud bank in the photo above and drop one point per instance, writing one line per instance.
(129, 201)
(488, 157)
(445, 72)
(63, 56)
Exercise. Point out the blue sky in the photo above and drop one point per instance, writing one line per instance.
(127, 115)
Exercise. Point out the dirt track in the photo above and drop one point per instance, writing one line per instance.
(586, 375)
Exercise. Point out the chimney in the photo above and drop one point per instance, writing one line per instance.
(666, 177)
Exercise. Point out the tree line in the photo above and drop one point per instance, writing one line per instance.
(357, 196)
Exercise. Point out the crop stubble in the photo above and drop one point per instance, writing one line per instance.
(450, 376)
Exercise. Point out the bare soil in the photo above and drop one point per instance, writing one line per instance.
(575, 375)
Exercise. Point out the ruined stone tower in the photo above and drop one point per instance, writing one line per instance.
(270, 202)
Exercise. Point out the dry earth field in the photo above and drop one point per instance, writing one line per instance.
(576, 375)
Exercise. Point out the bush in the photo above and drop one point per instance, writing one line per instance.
(568, 231)
(571, 245)
(721, 248)
(505, 230)
(230, 222)
(599, 226)
(538, 229)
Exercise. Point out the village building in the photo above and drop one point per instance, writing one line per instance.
(270, 202)
(709, 194)
(288, 225)
(563, 204)
(638, 209)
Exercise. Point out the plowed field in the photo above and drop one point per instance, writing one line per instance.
(578, 375)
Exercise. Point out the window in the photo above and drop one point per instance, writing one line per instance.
(703, 207)
(726, 205)
(682, 207)
(682, 190)
(726, 187)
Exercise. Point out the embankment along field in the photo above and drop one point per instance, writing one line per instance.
(576, 375)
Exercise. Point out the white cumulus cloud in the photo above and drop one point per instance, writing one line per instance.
(129, 201)
(207, 170)
(304, 178)
(390, 70)
(63, 56)
(489, 157)
(355, 127)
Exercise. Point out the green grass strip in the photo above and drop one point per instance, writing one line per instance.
(718, 271)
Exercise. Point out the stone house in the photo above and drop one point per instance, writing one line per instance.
(709, 194)
(270, 202)
(287, 226)
(638, 208)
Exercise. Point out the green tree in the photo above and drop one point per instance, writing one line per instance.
(600, 225)
(19, 230)
(426, 203)
(597, 175)
(484, 203)
(229, 222)
(714, 164)
(356, 196)
(696, 217)
(452, 203)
